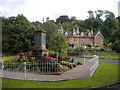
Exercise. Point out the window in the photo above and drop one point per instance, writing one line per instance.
(89, 34)
(90, 40)
(74, 34)
(74, 40)
(82, 45)
(66, 33)
(76, 45)
(98, 40)
(82, 34)
(83, 40)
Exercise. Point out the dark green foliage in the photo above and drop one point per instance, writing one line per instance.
(76, 51)
(102, 49)
(63, 19)
(116, 46)
(17, 32)
(58, 43)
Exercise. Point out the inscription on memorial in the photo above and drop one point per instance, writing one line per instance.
(40, 39)
(40, 43)
(37, 39)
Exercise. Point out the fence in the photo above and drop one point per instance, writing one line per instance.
(48, 71)
(93, 63)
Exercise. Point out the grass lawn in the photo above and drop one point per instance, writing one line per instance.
(109, 57)
(106, 73)
(0, 83)
(105, 54)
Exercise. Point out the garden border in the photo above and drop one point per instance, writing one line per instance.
(86, 73)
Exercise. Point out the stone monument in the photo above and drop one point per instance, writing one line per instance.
(40, 43)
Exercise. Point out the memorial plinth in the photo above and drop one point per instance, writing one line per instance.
(40, 43)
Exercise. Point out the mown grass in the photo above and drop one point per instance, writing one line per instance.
(106, 73)
(0, 83)
(116, 57)
(105, 54)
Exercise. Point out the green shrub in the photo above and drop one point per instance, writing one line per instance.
(11, 59)
(102, 49)
(66, 58)
(51, 53)
(25, 59)
(63, 67)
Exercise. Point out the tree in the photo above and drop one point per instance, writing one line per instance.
(17, 34)
(99, 13)
(73, 18)
(91, 14)
(17, 31)
(109, 14)
(50, 27)
(47, 19)
(63, 19)
(115, 38)
(58, 43)
(116, 46)
(109, 26)
(93, 23)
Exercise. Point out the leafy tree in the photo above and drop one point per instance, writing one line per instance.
(108, 14)
(47, 19)
(116, 46)
(63, 19)
(50, 27)
(37, 25)
(91, 14)
(109, 26)
(73, 18)
(99, 13)
(16, 34)
(93, 23)
(58, 43)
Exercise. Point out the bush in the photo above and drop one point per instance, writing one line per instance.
(63, 67)
(51, 53)
(25, 59)
(11, 59)
(102, 49)
(66, 58)
(76, 51)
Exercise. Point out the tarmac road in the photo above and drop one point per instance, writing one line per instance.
(115, 86)
(110, 61)
(101, 60)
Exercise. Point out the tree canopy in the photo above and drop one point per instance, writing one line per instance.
(58, 43)
(17, 31)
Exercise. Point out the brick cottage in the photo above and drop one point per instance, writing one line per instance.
(76, 38)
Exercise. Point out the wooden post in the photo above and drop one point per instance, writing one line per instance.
(25, 71)
(3, 73)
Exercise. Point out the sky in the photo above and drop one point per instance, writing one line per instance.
(36, 10)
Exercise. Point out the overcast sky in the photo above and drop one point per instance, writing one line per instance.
(36, 10)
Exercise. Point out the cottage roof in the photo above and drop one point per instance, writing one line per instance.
(98, 33)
